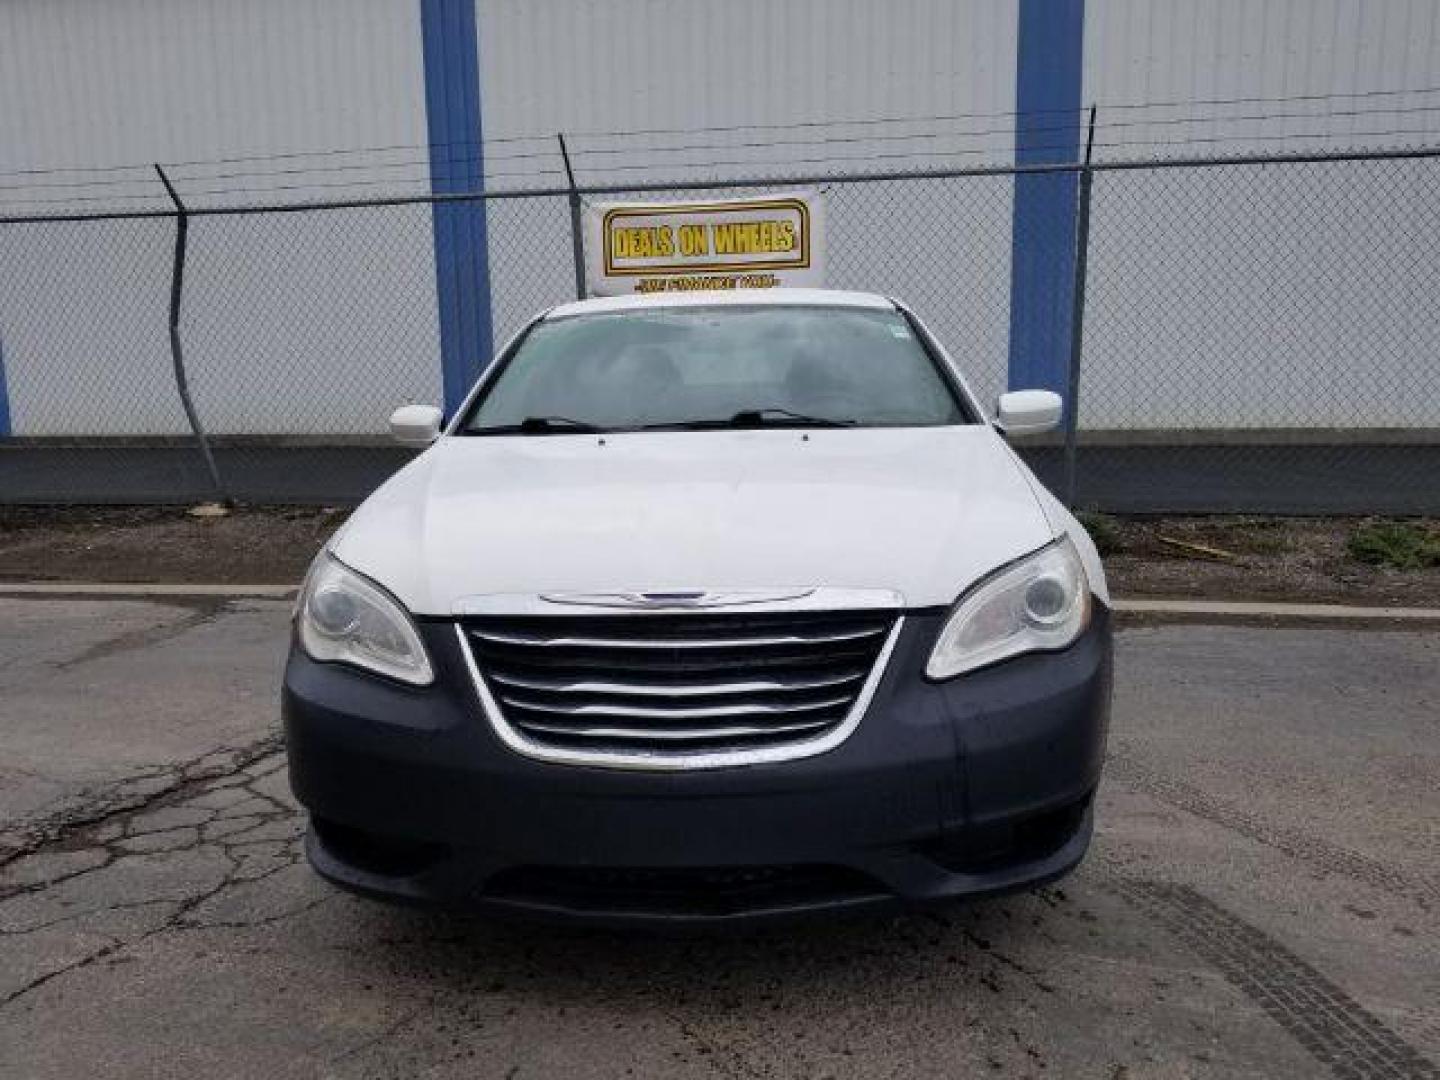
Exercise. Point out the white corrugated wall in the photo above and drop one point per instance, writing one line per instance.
(602, 65)
(287, 328)
(653, 92)
(1286, 296)
(1231, 298)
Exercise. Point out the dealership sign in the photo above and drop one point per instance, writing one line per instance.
(747, 243)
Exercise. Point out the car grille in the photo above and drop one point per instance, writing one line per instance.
(677, 683)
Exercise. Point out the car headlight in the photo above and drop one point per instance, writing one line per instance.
(1038, 604)
(345, 618)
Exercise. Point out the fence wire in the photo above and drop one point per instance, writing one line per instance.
(1258, 335)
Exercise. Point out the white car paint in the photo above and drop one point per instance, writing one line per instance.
(924, 512)
(734, 298)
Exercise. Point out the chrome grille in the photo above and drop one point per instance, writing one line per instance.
(667, 684)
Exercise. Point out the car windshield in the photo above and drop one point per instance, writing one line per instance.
(696, 368)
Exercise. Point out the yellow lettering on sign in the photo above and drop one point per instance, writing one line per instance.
(754, 237)
(694, 240)
(707, 238)
(643, 242)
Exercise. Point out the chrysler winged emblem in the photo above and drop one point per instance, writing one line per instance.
(684, 599)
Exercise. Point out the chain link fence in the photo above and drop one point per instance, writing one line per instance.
(1261, 337)
(1257, 335)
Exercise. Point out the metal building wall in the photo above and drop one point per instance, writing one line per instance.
(363, 95)
(690, 80)
(599, 65)
(1279, 297)
(1139, 51)
(281, 313)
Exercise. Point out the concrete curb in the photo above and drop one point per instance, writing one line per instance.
(144, 590)
(1223, 609)
(1243, 609)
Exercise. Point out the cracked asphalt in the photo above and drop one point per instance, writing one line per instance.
(1261, 900)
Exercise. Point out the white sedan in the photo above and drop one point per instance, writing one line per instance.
(705, 607)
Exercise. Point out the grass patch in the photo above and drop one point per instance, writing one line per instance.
(1401, 545)
(1104, 530)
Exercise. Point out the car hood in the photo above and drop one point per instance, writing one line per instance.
(923, 512)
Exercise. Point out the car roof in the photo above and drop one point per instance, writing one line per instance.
(781, 297)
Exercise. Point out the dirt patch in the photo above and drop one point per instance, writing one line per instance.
(250, 546)
(1256, 558)
(1251, 558)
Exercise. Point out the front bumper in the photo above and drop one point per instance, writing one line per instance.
(972, 787)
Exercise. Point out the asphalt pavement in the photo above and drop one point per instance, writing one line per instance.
(1262, 899)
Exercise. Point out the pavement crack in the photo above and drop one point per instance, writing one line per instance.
(129, 905)
(144, 638)
(40, 980)
(9, 892)
(251, 924)
(136, 794)
(107, 840)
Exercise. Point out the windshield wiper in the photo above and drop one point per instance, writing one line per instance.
(755, 418)
(785, 418)
(540, 425)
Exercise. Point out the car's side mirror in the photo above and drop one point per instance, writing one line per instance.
(415, 425)
(1029, 412)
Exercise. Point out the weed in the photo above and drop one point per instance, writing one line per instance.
(1104, 530)
(1402, 545)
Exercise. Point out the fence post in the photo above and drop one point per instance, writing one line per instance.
(577, 238)
(177, 352)
(1077, 316)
